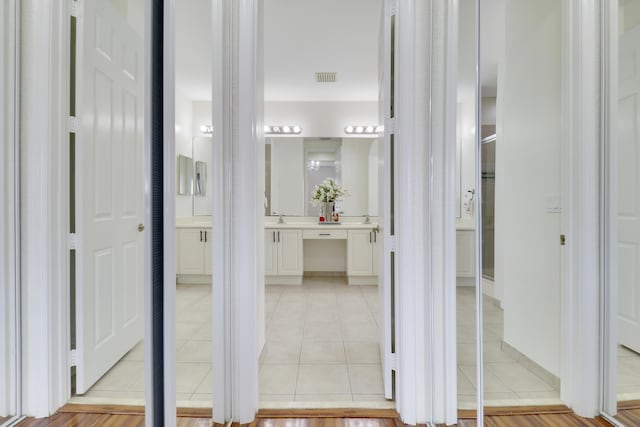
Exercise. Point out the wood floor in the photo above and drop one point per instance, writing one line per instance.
(629, 413)
(88, 416)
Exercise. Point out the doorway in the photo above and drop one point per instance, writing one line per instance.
(322, 309)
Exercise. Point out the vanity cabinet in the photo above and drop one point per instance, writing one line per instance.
(465, 253)
(193, 250)
(283, 256)
(362, 257)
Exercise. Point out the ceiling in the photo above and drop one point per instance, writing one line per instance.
(302, 37)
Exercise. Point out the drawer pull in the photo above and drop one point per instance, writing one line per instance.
(325, 234)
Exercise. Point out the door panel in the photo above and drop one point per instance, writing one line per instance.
(289, 252)
(629, 190)
(109, 306)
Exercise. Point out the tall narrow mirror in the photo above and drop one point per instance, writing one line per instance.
(521, 193)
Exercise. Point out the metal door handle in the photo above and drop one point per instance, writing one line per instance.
(370, 238)
(205, 236)
(140, 227)
(278, 237)
(201, 235)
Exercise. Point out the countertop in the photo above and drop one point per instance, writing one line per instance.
(305, 223)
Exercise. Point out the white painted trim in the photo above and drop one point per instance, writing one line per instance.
(221, 211)
(580, 218)
(478, 227)
(245, 238)
(609, 202)
(410, 333)
(169, 214)
(149, 406)
(10, 351)
(44, 210)
(448, 413)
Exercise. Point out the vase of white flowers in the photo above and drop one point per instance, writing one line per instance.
(326, 194)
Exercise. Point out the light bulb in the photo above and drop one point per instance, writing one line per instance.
(348, 129)
(369, 129)
(297, 129)
(359, 129)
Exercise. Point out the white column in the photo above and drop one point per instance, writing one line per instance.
(44, 206)
(237, 142)
(426, 123)
(581, 156)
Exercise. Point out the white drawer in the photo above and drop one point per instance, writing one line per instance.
(324, 234)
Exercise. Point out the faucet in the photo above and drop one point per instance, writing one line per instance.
(367, 220)
(281, 218)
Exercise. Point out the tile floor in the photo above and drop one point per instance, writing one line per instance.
(193, 356)
(508, 378)
(321, 345)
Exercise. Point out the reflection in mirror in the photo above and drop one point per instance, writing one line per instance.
(201, 179)
(185, 175)
(294, 166)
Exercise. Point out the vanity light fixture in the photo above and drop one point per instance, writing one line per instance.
(206, 129)
(313, 165)
(363, 130)
(282, 130)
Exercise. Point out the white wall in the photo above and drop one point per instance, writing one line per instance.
(201, 115)
(184, 146)
(466, 134)
(527, 171)
(355, 175)
(321, 119)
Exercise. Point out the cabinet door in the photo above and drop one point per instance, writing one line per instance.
(190, 251)
(465, 258)
(270, 253)
(208, 257)
(289, 252)
(360, 253)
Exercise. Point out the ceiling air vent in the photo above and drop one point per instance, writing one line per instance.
(325, 77)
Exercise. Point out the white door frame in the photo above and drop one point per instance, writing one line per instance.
(609, 200)
(44, 205)
(581, 211)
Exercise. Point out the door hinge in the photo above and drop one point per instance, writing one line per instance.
(390, 126)
(73, 8)
(72, 124)
(392, 7)
(72, 241)
(563, 240)
(73, 358)
(391, 240)
(392, 362)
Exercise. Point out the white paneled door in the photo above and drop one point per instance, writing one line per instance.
(629, 190)
(109, 268)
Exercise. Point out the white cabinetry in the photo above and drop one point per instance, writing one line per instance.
(362, 257)
(193, 251)
(283, 256)
(465, 253)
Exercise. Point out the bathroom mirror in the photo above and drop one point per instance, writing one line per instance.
(185, 175)
(294, 166)
(200, 184)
